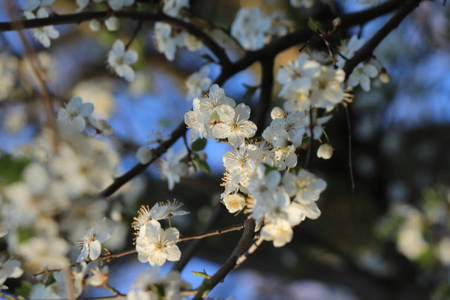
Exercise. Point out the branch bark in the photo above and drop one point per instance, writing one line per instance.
(241, 248)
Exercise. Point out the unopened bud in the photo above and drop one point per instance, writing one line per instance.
(325, 151)
(112, 23)
(384, 76)
(337, 22)
(277, 113)
(95, 25)
(144, 155)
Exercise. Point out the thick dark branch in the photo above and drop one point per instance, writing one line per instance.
(77, 18)
(366, 51)
(241, 248)
(266, 94)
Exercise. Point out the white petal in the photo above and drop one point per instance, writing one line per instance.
(86, 109)
(95, 249)
(130, 57)
(173, 253)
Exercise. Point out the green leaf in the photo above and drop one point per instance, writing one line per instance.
(209, 59)
(202, 165)
(50, 280)
(11, 168)
(315, 25)
(199, 145)
(25, 234)
(201, 274)
(24, 289)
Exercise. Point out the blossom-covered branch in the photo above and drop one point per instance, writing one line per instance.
(77, 18)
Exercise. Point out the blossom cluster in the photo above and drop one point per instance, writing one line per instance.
(252, 180)
(49, 199)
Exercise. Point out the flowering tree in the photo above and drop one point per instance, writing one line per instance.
(65, 202)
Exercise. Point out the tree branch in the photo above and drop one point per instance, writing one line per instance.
(108, 257)
(265, 97)
(78, 18)
(242, 246)
(366, 51)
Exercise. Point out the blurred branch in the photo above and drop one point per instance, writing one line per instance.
(265, 97)
(78, 18)
(366, 51)
(241, 247)
(139, 168)
(110, 256)
(37, 71)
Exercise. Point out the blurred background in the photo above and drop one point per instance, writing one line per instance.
(386, 238)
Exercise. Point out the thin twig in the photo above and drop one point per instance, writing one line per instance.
(135, 33)
(311, 139)
(217, 232)
(350, 163)
(195, 246)
(18, 26)
(113, 290)
(183, 239)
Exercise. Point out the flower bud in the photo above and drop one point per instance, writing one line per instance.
(144, 155)
(95, 25)
(325, 151)
(112, 23)
(337, 22)
(277, 113)
(384, 76)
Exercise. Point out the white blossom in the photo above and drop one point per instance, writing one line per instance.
(279, 233)
(120, 60)
(156, 245)
(42, 34)
(9, 269)
(165, 43)
(198, 82)
(172, 168)
(234, 124)
(74, 113)
(91, 244)
(234, 202)
(250, 28)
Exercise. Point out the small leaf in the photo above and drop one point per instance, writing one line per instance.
(201, 274)
(202, 165)
(209, 59)
(315, 25)
(199, 145)
(11, 168)
(25, 289)
(50, 280)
